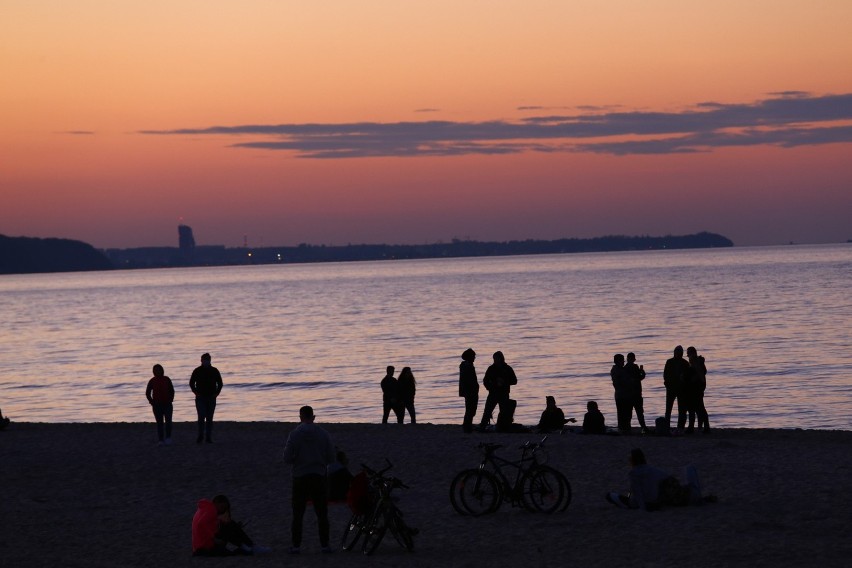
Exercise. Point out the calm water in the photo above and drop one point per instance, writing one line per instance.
(774, 324)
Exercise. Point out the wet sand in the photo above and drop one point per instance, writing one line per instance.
(105, 495)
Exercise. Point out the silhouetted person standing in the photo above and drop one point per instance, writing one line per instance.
(206, 383)
(468, 388)
(161, 394)
(310, 451)
(637, 375)
(696, 383)
(674, 376)
(623, 386)
(406, 387)
(390, 396)
(498, 380)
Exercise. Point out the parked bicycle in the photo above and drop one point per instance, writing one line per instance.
(536, 486)
(376, 513)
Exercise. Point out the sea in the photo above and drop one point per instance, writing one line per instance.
(772, 322)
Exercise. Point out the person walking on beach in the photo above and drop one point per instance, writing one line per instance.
(696, 383)
(623, 385)
(674, 376)
(161, 394)
(468, 388)
(406, 386)
(637, 375)
(310, 451)
(498, 381)
(206, 384)
(390, 396)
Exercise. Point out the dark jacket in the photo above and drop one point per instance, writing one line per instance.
(499, 379)
(206, 381)
(675, 373)
(468, 384)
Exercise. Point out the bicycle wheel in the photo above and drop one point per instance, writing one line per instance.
(400, 530)
(566, 488)
(455, 492)
(542, 490)
(352, 532)
(375, 530)
(480, 492)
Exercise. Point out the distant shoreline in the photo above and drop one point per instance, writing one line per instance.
(164, 257)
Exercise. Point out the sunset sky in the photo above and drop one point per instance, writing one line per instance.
(339, 121)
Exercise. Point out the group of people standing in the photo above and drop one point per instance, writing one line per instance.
(398, 394)
(498, 381)
(685, 381)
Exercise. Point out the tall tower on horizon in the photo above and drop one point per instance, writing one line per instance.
(186, 243)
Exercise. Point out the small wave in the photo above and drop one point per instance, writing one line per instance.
(288, 385)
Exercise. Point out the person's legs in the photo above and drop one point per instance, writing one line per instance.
(470, 404)
(399, 411)
(671, 396)
(681, 412)
(232, 533)
(410, 407)
(300, 501)
(167, 414)
(640, 412)
(319, 495)
(158, 417)
(211, 409)
(490, 404)
(386, 408)
(199, 409)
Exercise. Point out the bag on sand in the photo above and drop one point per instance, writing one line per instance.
(662, 426)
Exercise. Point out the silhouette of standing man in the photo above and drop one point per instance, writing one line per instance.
(390, 396)
(674, 376)
(468, 388)
(310, 450)
(206, 384)
(498, 380)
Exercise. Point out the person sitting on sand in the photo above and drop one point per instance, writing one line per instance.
(339, 477)
(652, 488)
(593, 420)
(552, 419)
(4, 421)
(215, 533)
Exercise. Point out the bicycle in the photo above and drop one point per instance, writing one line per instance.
(380, 515)
(536, 487)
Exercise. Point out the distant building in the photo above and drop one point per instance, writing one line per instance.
(186, 243)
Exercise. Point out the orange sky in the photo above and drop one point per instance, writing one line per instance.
(93, 92)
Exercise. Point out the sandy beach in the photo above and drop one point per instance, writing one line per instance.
(105, 495)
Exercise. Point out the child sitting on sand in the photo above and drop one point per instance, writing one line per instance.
(215, 533)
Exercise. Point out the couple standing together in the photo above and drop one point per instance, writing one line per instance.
(398, 394)
(498, 380)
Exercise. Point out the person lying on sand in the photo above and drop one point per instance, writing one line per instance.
(652, 488)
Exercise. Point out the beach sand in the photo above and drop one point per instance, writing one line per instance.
(106, 495)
